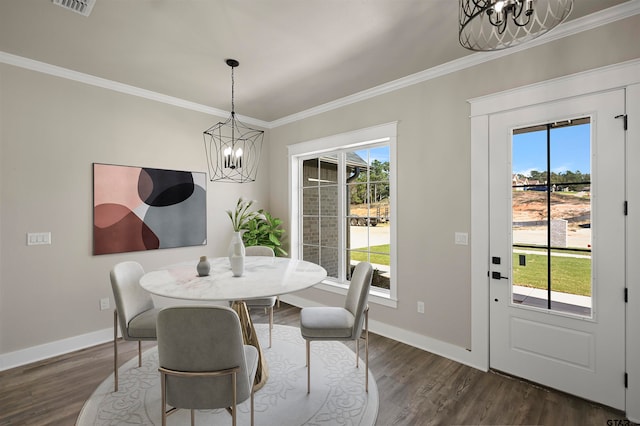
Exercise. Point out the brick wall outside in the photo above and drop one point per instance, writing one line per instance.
(320, 220)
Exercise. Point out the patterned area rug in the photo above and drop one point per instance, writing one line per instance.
(337, 389)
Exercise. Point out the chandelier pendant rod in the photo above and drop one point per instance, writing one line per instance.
(233, 63)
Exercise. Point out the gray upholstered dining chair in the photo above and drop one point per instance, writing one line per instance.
(203, 361)
(341, 323)
(263, 302)
(135, 310)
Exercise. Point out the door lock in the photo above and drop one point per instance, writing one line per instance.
(498, 276)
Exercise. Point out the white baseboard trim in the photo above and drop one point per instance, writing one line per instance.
(429, 344)
(59, 347)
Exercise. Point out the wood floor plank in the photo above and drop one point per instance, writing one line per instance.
(415, 387)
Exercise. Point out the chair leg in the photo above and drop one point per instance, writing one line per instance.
(366, 350)
(308, 366)
(270, 324)
(357, 353)
(139, 353)
(115, 349)
(163, 390)
(235, 393)
(252, 392)
(193, 417)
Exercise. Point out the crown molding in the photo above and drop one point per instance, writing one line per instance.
(56, 71)
(606, 16)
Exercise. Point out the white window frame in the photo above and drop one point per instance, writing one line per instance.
(357, 139)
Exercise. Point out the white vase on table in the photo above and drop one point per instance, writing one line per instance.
(236, 254)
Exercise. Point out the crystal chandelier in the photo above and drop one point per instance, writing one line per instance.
(232, 148)
(487, 25)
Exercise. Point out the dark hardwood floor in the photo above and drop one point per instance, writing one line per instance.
(415, 388)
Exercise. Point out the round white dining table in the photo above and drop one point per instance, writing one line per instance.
(262, 277)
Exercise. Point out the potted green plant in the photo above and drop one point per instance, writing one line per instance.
(264, 230)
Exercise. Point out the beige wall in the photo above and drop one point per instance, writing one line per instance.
(433, 166)
(53, 130)
(2, 292)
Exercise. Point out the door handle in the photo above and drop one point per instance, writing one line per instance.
(498, 276)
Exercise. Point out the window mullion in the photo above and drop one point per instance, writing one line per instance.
(342, 215)
(296, 205)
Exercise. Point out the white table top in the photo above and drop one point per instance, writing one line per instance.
(263, 277)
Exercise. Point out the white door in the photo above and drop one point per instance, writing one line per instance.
(557, 245)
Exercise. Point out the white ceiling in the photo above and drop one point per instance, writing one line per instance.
(293, 54)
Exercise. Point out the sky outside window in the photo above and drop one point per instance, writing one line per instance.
(570, 150)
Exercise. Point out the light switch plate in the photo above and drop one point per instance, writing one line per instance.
(38, 238)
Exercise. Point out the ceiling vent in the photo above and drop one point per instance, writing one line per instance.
(83, 7)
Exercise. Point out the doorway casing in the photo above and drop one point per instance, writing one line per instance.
(625, 75)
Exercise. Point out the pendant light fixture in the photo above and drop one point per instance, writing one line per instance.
(487, 25)
(232, 148)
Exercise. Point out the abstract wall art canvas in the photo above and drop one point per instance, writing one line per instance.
(139, 208)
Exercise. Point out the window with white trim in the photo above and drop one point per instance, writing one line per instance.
(343, 199)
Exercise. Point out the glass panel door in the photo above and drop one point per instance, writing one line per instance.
(551, 216)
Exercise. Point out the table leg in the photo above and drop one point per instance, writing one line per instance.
(251, 338)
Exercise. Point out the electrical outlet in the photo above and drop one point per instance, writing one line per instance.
(462, 238)
(104, 304)
(420, 307)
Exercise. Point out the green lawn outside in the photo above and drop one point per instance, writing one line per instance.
(569, 274)
(377, 255)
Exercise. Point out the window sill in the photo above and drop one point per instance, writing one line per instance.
(378, 297)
